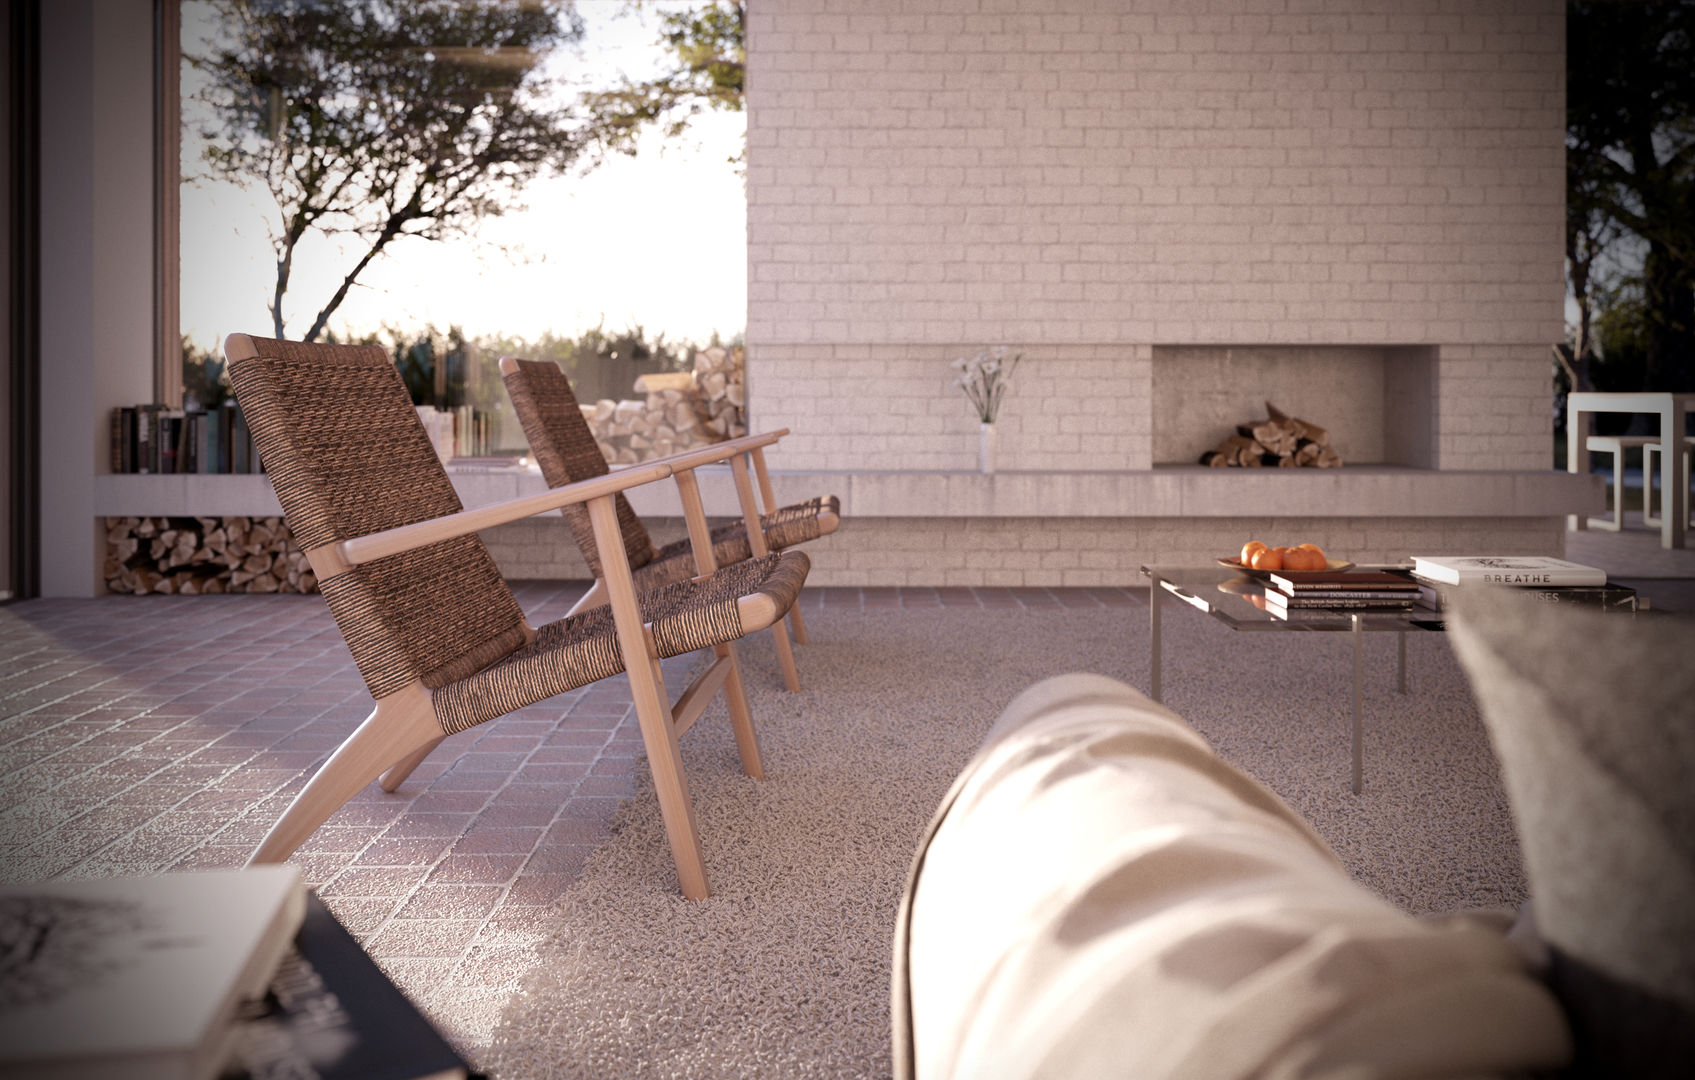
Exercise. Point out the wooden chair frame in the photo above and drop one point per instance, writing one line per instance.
(741, 453)
(403, 727)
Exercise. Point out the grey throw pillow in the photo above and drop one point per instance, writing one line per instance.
(1593, 719)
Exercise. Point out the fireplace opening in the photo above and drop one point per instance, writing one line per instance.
(1377, 403)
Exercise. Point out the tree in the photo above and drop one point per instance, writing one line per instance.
(1630, 146)
(707, 55)
(383, 119)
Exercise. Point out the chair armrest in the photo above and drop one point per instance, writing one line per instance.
(723, 451)
(406, 537)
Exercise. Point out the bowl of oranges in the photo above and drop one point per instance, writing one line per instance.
(1259, 559)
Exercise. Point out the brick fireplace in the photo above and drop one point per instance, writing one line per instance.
(1176, 211)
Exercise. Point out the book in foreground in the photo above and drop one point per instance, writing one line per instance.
(137, 977)
(332, 1014)
(1505, 570)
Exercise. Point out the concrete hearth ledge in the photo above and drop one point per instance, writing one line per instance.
(1167, 492)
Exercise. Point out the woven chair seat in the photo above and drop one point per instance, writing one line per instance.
(581, 648)
(785, 527)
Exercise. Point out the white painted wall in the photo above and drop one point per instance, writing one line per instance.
(96, 263)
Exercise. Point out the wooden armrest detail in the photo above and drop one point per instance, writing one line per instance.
(406, 537)
(723, 451)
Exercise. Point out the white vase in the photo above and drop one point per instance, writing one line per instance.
(987, 439)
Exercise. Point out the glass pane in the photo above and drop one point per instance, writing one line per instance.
(415, 175)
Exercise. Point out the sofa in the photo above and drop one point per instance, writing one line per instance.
(1100, 895)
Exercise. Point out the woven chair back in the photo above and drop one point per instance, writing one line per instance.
(567, 453)
(339, 436)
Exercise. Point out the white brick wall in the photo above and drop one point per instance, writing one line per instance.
(1092, 178)
(1110, 551)
(1058, 551)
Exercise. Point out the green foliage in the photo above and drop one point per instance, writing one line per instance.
(383, 119)
(599, 365)
(1630, 156)
(706, 63)
(203, 378)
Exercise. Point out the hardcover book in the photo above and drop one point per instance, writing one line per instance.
(1352, 580)
(1603, 597)
(331, 1013)
(1505, 570)
(138, 977)
(1275, 600)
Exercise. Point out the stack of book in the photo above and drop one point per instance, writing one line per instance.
(1554, 581)
(1289, 596)
(154, 439)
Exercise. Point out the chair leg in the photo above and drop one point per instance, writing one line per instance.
(676, 809)
(400, 726)
(401, 769)
(786, 656)
(1616, 523)
(595, 597)
(1649, 518)
(797, 624)
(741, 718)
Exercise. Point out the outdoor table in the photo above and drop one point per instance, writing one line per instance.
(1672, 409)
(1230, 597)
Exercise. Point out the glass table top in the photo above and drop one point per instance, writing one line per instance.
(1239, 600)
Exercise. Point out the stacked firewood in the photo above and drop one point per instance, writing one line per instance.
(681, 410)
(1279, 440)
(721, 376)
(201, 555)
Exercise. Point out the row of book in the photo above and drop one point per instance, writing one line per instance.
(1430, 583)
(154, 439)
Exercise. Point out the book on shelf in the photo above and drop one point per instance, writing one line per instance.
(1520, 570)
(139, 978)
(331, 1013)
(153, 439)
(1436, 596)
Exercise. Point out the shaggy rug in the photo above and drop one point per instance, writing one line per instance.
(784, 971)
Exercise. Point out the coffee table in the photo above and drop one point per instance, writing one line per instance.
(1230, 597)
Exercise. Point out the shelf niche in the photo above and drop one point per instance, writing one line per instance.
(1378, 402)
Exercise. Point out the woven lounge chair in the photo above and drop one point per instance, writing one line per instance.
(433, 628)
(566, 451)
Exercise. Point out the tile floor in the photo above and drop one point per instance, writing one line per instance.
(140, 735)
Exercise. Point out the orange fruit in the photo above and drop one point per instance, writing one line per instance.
(1268, 559)
(1304, 558)
(1248, 550)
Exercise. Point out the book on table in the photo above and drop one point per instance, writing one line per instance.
(138, 977)
(1341, 580)
(1519, 570)
(1399, 599)
(1436, 596)
(332, 1014)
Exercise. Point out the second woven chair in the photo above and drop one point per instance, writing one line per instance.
(567, 453)
(433, 628)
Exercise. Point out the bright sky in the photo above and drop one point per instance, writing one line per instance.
(658, 240)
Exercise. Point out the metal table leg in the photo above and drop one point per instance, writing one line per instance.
(1154, 589)
(1402, 649)
(1359, 669)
